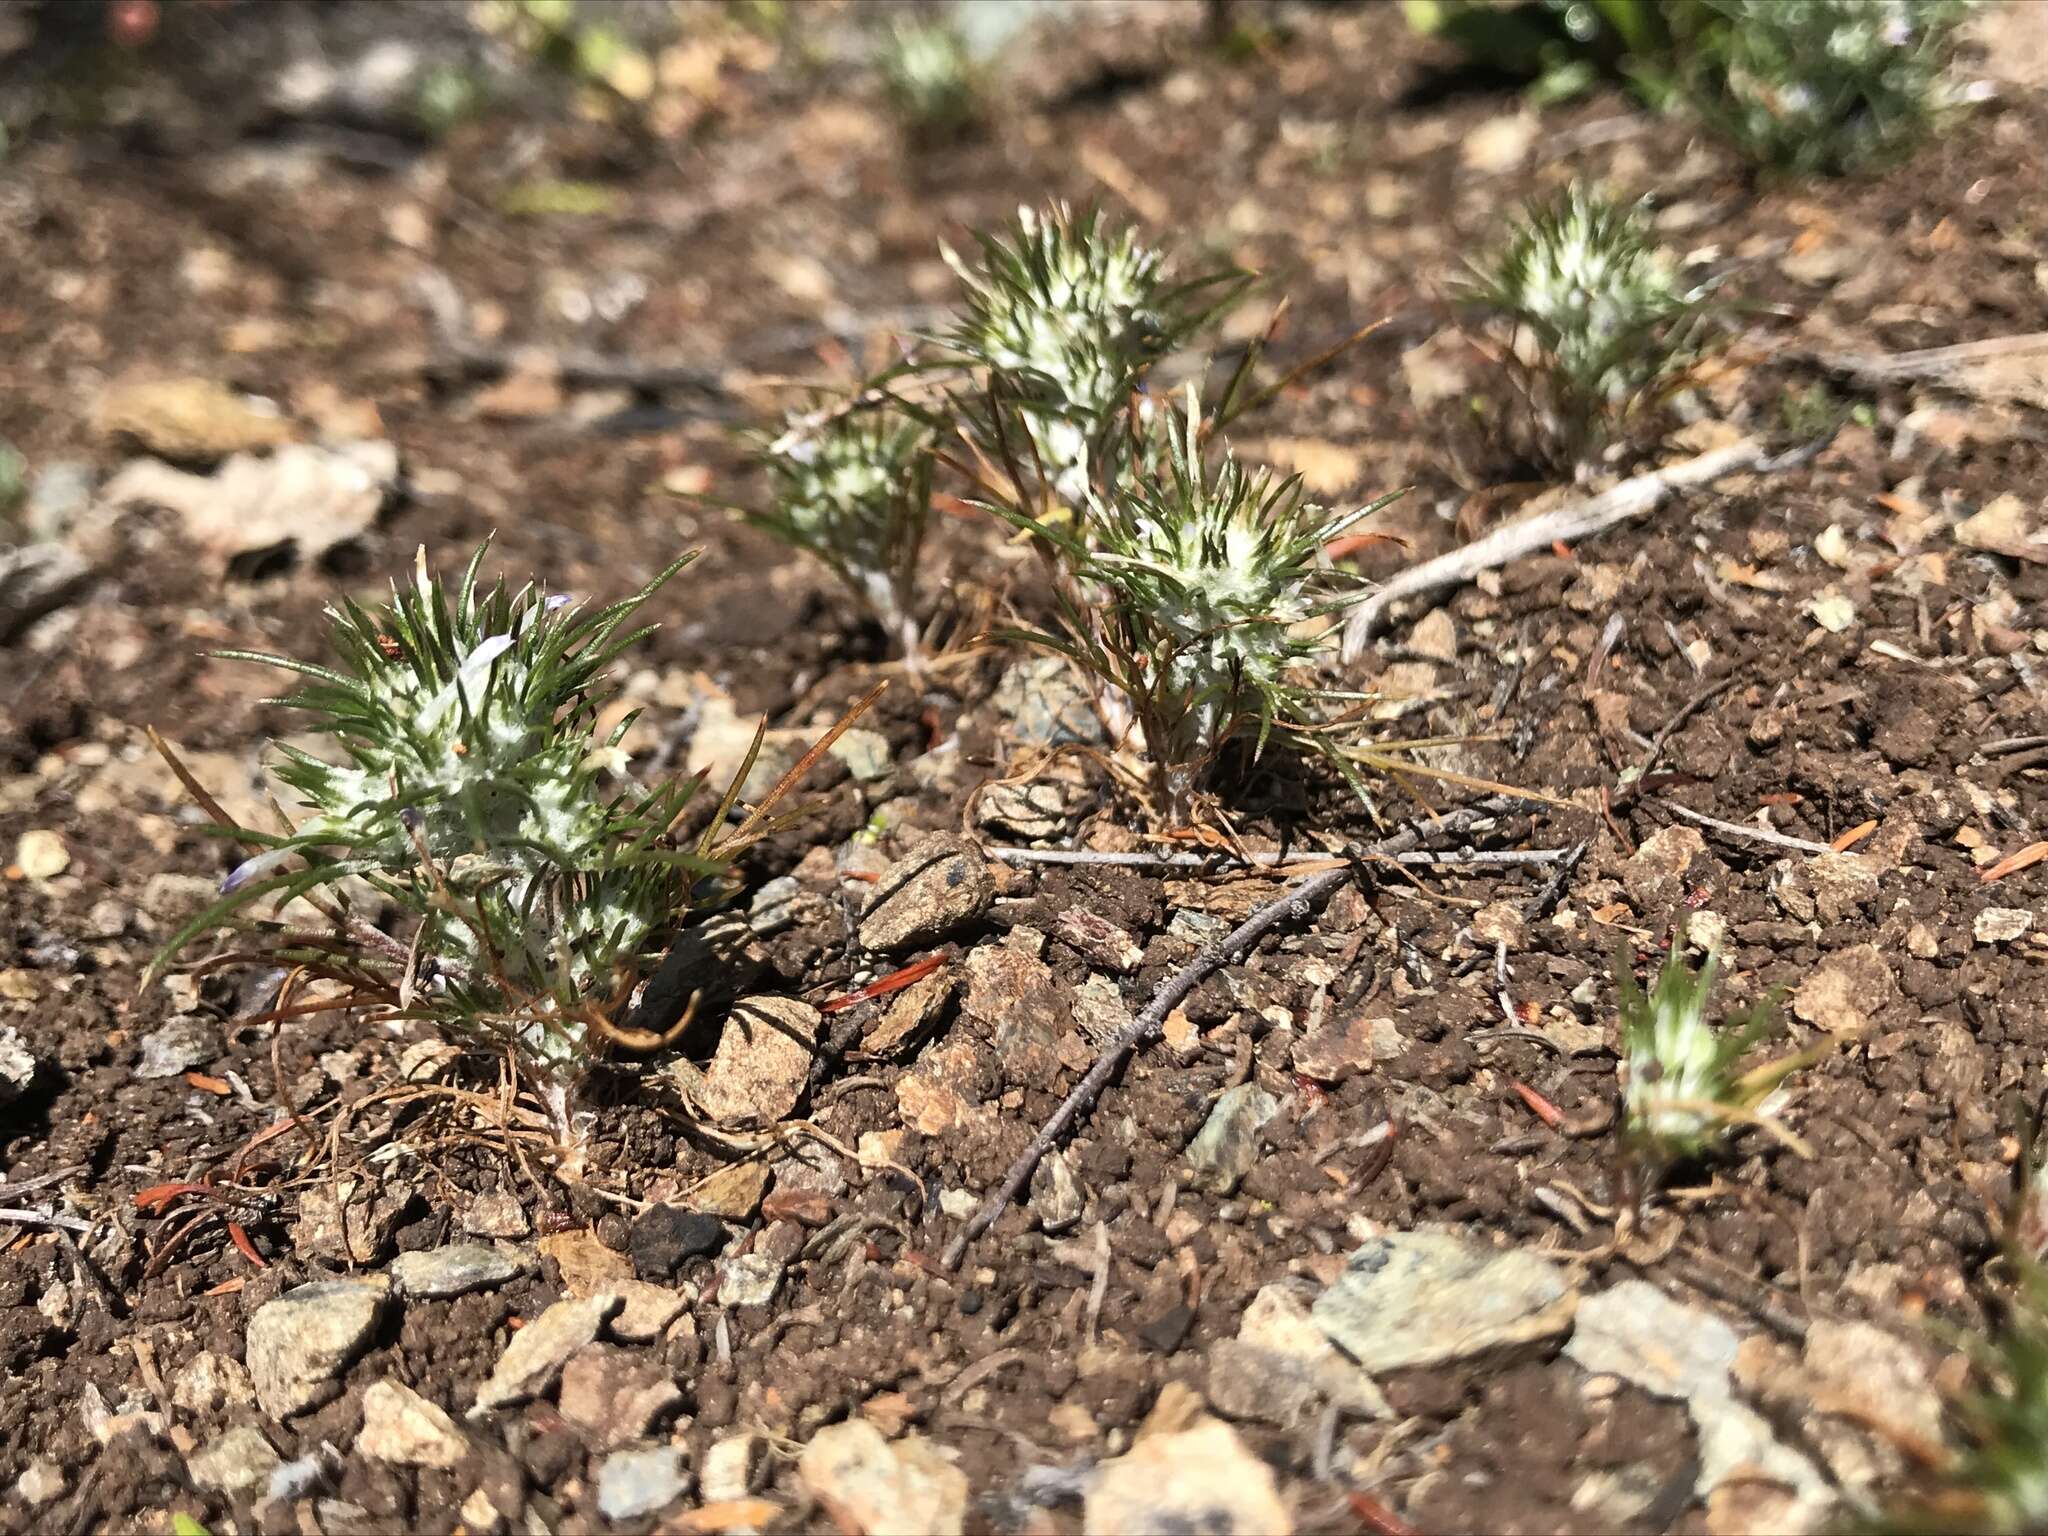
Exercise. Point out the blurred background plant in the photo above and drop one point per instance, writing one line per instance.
(935, 85)
(1809, 87)
(1825, 87)
(1594, 322)
(852, 485)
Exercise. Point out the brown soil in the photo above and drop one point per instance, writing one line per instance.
(290, 267)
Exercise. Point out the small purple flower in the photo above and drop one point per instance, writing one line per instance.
(254, 868)
(557, 600)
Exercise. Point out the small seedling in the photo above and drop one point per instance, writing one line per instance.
(933, 81)
(1062, 319)
(853, 486)
(472, 791)
(1596, 322)
(1826, 87)
(1683, 1084)
(1194, 599)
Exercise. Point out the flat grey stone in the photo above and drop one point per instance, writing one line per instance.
(1419, 1298)
(454, 1270)
(300, 1343)
(634, 1484)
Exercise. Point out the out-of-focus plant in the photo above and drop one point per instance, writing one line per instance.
(1826, 87)
(1684, 1085)
(1595, 322)
(1564, 47)
(853, 486)
(934, 82)
(13, 476)
(577, 44)
(1195, 600)
(1061, 321)
(475, 795)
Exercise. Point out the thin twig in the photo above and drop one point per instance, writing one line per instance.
(1450, 858)
(1937, 364)
(1632, 784)
(1751, 834)
(1553, 889)
(1630, 499)
(1296, 902)
(30, 1218)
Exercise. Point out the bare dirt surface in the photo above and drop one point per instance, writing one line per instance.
(1868, 631)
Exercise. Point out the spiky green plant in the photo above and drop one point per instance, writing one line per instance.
(933, 81)
(1596, 320)
(1683, 1083)
(1061, 319)
(473, 793)
(853, 486)
(1827, 87)
(1195, 600)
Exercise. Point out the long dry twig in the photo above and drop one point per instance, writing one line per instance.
(1297, 902)
(1453, 858)
(1937, 365)
(1630, 499)
(1751, 834)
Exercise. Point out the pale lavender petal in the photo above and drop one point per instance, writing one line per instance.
(254, 868)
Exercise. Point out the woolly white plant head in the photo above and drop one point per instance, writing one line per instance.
(1064, 316)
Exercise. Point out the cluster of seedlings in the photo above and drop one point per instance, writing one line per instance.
(1194, 593)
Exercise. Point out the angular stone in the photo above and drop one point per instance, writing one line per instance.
(763, 1061)
(538, 1351)
(1226, 1148)
(1196, 1479)
(209, 1383)
(748, 1280)
(1655, 874)
(648, 1311)
(1281, 1368)
(298, 1344)
(455, 1270)
(869, 1484)
(192, 419)
(1420, 1298)
(733, 1193)
(614, 1396)
(732, 1468)
(1046, 706)
(665, 1237)
(927, 895)
(402, 1427)
(634, 1484)
(1099, 940)
(188, 1041)
(1336, 1048)
(910, 1015)
(585, 1264)
(1055, 1193)
(496, 1213)
(1847, 991)
(41, 1482)
(235, 1462)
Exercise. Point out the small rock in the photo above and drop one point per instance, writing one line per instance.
(41, 1482)
(538, 1351)
(255, 516)
(1843, 884)
(1035, 812)
(194, 420)
(910, 1015)
(648, 1311)
(209, 1383)
(2000, 925)
(2000, 526)
(586, 1265)
(1281, 1368)
(1500, 922)
(40, 854)
(634, 1484)
(1226, 1148)
(928, 895)
(1634, 1331)
(664, 1237)
(1655, 875)
(1100, 941)
(1501, 143)
(402, 1427)
(1011, 990)
(748, 1280)
(496, 1213)
(234, 1462)
(61, 495)
(1045, 706)
(1436, 637)
(614, 1396)
(1420, 1298)
(300, 1343)
(733, 1193)
(1847, 991)
(865, 753)
(763, 1061)
(455, 1270)
(732, 1468)
(188, 1041)
(868, 1484)
(1336, 1048)
(17, 1064)
(1196, 1479)
(1169, 1330)
(35, 581)
(1055, 1194)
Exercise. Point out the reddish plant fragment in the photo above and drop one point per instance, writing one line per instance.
(1541, 1107)
(895, 981)
(2013, 863)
